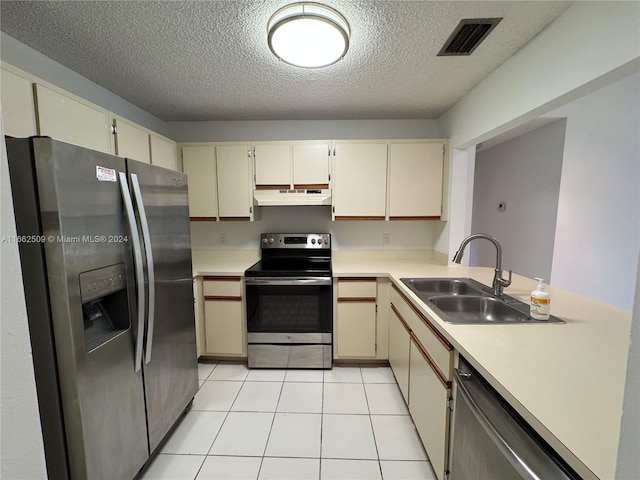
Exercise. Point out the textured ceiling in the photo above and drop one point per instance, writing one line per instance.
(194, 60)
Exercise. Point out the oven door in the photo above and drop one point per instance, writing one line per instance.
(289, 306)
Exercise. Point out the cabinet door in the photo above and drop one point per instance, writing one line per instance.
(132, 141)
(428, 399)
(311, 166)
(163, 152)
(415, 180)
(356, 328)
(273, 165)
(399, 350)
(71, 120)
(223, 327)
(360, 181)
(18, 107)
(199, 163)
(224, 321)
(234, 182)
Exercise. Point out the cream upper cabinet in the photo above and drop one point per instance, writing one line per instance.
(273, 165)
(359, 181)
(18, 108)
(132, 141)
(199, 163)
(163, 152)
(415, 180)
(235, 200)
(73, 120)
(311, 165)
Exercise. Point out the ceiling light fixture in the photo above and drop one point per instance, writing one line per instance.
(308, 35)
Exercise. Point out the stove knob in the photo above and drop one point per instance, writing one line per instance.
(264, 240)
(313, 241)
(326, 241)
(271, 240)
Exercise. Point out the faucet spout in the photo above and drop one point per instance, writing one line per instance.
(498, 282)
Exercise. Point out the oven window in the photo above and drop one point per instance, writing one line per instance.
(289, 309)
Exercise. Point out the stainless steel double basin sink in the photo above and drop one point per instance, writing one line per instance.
(466, 301)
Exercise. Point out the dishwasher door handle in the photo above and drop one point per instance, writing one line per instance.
(490, 429)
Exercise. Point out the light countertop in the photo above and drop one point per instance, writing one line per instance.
(566, 380)
(222, 262)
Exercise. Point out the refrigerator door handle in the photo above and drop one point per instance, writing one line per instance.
(151, 277)
(137, 257)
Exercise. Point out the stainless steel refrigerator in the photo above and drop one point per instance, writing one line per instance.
(106, 263)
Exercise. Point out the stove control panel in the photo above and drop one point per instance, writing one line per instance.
(295, 240)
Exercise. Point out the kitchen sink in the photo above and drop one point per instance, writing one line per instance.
(466, 301)
(429, 287)
(474, 309)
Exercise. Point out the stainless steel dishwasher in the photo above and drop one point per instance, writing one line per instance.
(490, 441)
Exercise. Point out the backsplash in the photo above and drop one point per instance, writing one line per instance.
(346, 235)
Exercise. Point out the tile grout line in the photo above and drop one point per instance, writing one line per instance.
(373, 432)
(321, 427)
(218, 433)
(273, 419)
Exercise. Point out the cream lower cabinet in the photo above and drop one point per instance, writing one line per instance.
(428, 405)
(356, 324)
(399, 351)
(422, 361)
(224, 325)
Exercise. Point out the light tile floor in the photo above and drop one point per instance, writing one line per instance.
(350, 422)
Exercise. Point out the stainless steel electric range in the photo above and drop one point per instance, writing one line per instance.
(289, 295)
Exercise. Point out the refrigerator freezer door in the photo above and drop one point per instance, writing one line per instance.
(91, 296)
(171, 376)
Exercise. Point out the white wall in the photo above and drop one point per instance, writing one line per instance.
(184, 132)
(346, 235)
(598, 232)
(590, 45)
(525, 173)
(22, 453)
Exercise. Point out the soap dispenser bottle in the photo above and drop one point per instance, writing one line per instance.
(540, 302)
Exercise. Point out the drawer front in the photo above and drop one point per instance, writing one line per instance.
(357, 288)
(222, 286)
(440, 350)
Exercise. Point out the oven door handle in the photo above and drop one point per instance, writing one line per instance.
(288, 281)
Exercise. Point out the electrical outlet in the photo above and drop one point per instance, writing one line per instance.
(386, 239)
(221, 238)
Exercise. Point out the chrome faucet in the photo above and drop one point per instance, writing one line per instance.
(498, 282)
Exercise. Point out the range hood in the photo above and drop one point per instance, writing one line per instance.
(311, 196)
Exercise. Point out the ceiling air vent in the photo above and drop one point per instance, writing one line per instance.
(469, 33)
